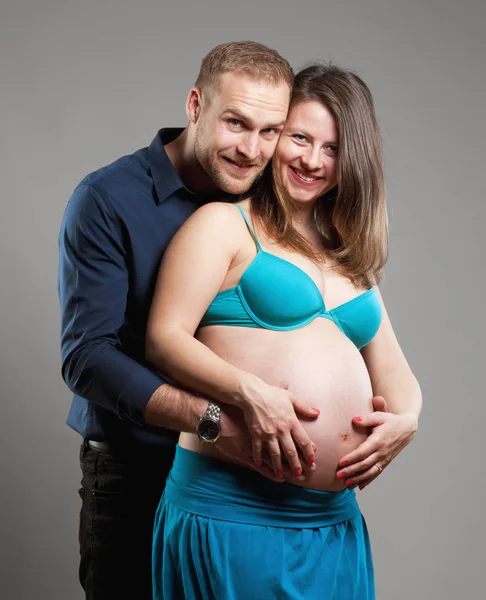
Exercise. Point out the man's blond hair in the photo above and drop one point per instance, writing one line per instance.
(248, 58)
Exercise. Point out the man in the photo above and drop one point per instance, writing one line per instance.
(116, 227)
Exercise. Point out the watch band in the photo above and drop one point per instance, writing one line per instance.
(212, 412)
(208, 428)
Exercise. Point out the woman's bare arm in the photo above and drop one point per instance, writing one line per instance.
(390, 373)
(391, 378)
(191, 274)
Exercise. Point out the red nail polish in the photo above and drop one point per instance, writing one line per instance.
(348, 482)
(317, 411)
(280, 474)
(342, 464)
(341, 475)
(311, 459)
(358, 418)
(298, 472)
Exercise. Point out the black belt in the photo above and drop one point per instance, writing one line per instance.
(100, 446)
(129, 448)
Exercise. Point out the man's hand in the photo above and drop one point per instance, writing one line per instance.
(236, 443)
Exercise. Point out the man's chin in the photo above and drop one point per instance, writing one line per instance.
(236, 187)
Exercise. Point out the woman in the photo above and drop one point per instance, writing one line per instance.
(282, 286)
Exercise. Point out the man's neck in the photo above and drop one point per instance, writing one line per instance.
(181, 154)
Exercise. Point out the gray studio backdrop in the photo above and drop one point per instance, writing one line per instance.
(84, 82)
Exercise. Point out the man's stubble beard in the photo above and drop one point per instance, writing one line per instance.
(209, 164)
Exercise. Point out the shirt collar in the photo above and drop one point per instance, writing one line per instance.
(166, 178)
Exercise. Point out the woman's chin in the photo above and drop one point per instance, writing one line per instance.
(302, 194)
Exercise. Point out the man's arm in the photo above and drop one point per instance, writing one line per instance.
(175, 409)
(93, 287)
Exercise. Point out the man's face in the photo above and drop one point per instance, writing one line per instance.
(238, 128)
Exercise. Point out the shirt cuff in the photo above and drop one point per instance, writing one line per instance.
(133, 399)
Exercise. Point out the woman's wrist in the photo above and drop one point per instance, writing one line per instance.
(411, 418)
(249, 387)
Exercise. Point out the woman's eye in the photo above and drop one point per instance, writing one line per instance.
(298, 137)
(333, 149)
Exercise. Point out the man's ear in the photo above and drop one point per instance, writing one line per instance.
(194, 105)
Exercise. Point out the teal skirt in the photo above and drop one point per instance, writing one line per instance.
(226, 533)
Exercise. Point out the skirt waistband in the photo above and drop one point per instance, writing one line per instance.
(218, 490)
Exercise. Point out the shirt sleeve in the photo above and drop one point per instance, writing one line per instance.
(93, 287)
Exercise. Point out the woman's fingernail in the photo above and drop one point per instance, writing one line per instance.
(280, 474)
(341, 475)
(311, 459)
(342, 464)
(298, 472)
(348, 482)
(358, 418)
(317, 411)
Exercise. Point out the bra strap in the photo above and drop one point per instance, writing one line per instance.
(249, 228)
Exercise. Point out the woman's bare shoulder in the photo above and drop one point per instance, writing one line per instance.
(214, 224)
(217, 212)
(217, 216)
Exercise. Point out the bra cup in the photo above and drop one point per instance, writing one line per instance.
(278, 294)
(275, 294)
(360, 321)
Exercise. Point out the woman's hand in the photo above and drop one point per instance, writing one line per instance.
(391, 434)
(270, 415)
(236, 443)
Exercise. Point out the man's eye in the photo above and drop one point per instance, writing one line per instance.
(235, 122)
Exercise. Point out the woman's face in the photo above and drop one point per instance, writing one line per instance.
(306, 154)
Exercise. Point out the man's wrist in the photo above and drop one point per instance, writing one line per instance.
(174, 409)
(208, 428)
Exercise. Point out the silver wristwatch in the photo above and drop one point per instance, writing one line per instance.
(209, 427)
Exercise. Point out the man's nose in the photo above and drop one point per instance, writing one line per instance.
(249, 146)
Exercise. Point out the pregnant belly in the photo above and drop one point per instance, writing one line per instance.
(321, 365)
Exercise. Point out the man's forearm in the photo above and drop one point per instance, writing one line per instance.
(175, 409)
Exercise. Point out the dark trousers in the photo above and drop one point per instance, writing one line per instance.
(120, 492)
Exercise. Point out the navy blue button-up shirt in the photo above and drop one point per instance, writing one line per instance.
(116, 227)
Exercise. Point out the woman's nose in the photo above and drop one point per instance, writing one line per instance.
(311, 160)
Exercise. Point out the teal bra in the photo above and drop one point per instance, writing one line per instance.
(275, 294)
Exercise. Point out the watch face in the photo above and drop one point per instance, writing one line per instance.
(208, 430)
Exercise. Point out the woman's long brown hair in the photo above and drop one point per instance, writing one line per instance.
(351, 218)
